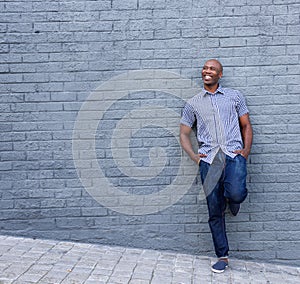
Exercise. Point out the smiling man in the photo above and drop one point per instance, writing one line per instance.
(224, 134)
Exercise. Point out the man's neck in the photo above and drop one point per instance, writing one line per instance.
(211, 89)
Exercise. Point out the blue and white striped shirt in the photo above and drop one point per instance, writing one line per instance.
(217, 120)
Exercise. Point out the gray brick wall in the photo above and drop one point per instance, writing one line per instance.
(54, 54)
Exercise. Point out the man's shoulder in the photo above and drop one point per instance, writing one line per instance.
(233, 93)
(195, 98)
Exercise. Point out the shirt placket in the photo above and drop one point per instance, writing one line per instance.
(219, 131)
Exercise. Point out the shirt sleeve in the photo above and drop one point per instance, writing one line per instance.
(241, 106)
(188, 117)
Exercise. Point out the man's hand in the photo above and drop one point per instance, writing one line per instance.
(244, 152)
(197, 158)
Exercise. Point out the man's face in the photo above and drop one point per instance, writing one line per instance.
(211, 73)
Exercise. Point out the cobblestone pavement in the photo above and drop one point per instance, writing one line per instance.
(24, 261)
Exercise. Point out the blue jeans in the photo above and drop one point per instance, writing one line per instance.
(230, 184)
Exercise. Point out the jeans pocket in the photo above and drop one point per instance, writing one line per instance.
(240, 155)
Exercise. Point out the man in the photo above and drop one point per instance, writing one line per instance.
(224, 134)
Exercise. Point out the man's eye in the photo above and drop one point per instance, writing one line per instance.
(209, 68)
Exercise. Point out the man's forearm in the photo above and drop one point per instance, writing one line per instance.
(186, 144)
(247, 135)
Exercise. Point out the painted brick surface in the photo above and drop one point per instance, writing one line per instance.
(54, 54)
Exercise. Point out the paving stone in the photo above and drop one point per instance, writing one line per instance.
(127, 266)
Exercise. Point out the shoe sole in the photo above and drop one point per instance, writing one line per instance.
(218, 271)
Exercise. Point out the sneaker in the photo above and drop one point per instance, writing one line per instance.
(234, 208)
(219, 266)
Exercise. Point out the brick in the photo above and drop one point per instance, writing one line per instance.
(19, 28)
(18, 7)
(98, 5)
(46, 27)
(263, 20)
(47, 6)
(121, 5)
(73, 6)
(5, 166)
(232, 42)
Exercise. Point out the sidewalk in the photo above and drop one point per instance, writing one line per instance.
(24, 261)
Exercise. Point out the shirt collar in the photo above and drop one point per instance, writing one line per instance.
(220, 90)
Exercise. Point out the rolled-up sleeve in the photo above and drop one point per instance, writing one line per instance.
(241, 106)
(188, 117)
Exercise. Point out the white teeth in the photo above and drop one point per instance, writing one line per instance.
(207, 77)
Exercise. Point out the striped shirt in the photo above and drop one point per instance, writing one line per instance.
(217, 120)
